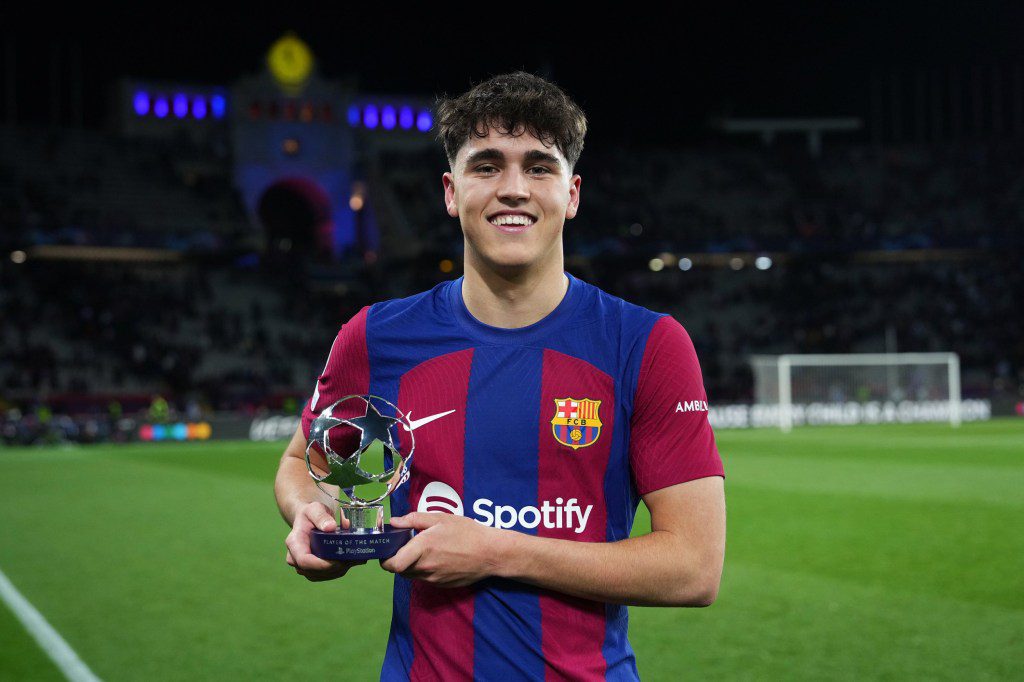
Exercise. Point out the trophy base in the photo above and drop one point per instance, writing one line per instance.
(351, 545)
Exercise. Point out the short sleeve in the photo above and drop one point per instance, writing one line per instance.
(671, 440)
(346, 372)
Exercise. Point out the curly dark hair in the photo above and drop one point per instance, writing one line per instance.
(509, 103)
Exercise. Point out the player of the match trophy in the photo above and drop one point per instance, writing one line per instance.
(357, 437)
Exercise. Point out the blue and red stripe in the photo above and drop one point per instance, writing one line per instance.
(441, 619)
(502, 414)
(573, 629)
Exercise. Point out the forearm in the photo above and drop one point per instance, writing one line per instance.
(295, 491)
(294, 488)
(657, 569)
(679, 563)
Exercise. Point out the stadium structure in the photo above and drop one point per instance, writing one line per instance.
(217, 236)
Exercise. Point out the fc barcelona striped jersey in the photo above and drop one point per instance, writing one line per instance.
(556, 430)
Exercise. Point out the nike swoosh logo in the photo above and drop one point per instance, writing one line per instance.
(417, 423)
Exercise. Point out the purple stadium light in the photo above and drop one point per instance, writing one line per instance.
(370, 116)
(405, 117)
(160, 107)
(388, 118)
(180, 105)
(218, 105)
(353, 115)
(424, 121)
(199, 107)
(141, 102)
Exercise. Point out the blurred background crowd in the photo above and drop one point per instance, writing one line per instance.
(196, 249)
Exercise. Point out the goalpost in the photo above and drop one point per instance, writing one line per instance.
(816, 388)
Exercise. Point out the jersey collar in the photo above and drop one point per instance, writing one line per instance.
(519, 335)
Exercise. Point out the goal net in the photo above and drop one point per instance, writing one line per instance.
(792, 390)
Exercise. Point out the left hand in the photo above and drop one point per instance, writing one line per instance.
(447, 550)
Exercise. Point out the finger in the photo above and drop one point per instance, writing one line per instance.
(288, 558)
(334, 568)
(311, 562)
(320, 576)
(305, 559)
(411, 573)
(337, 570)
(321, 517)
(297, 543)
(404, 558)
(418, 520)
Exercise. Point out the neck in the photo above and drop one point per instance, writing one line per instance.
(512, 299)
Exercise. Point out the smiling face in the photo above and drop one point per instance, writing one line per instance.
(512, 195)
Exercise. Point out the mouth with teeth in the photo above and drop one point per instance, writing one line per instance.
(511, 223)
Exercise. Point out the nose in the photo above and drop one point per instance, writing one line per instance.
(513, 186)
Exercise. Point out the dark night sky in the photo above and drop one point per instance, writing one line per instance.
(639, 78)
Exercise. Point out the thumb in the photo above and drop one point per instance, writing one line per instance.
(322, 518)
(417, 520)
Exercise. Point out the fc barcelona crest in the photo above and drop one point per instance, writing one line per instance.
(576, 422)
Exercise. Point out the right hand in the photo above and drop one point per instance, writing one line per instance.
(299, 557)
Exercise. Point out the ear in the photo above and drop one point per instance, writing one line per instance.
(574, 197)
(448, 180)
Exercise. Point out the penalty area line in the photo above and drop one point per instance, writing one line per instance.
(48, 639)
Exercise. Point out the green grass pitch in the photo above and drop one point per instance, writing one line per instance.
(884, 552)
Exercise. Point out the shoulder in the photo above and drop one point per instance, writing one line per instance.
(658, 353)
(431, 302)
(634, 325)
(668, 332)
(630, 317)
(353, 330)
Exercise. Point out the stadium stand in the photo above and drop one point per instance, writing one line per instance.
(86, 187)
(920, 245)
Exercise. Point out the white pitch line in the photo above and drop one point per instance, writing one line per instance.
(49, 640)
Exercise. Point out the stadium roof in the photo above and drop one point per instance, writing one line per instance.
(800, 59)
